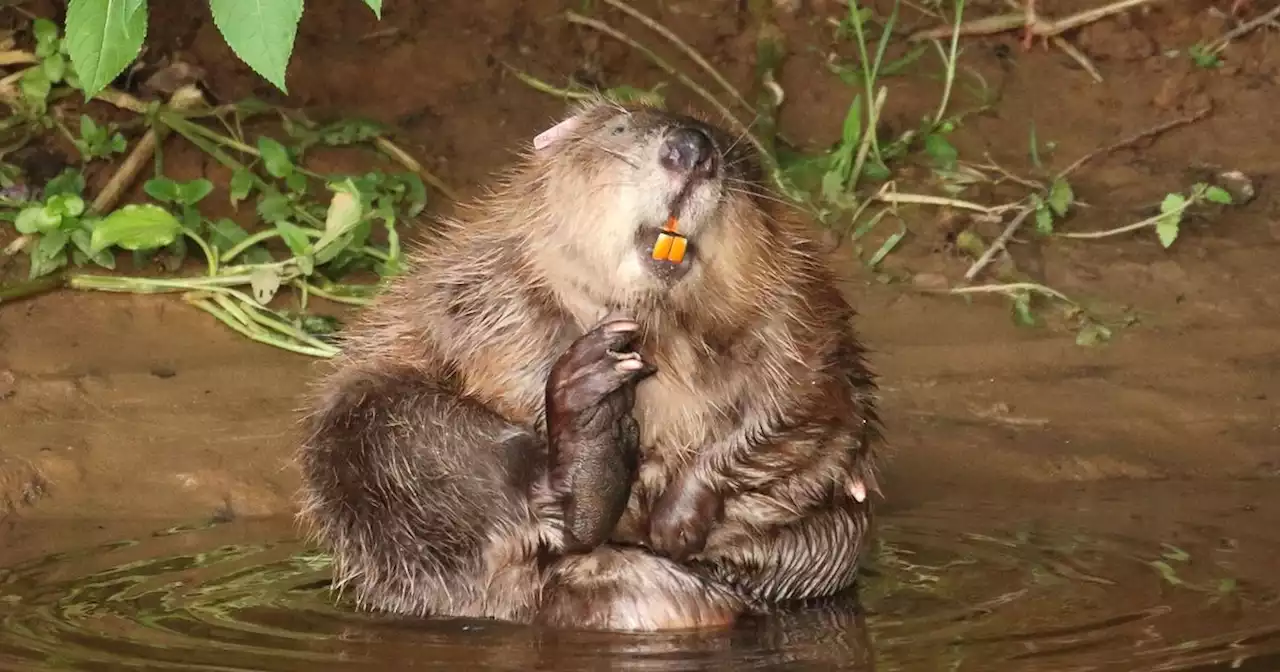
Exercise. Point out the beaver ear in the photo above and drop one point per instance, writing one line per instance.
(555, 133)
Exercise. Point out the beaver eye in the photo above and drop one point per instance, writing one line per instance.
(619, 129)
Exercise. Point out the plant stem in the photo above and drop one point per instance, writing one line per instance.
(23, 290)
(951, 64)
(1150, 221)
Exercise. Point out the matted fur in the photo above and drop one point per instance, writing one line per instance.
(424, 462)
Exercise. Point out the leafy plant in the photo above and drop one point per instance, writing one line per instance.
(105, 36)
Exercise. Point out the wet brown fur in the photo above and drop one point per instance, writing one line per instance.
(424, 464)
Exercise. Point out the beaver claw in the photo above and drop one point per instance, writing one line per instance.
(593, 442)
(682, 518)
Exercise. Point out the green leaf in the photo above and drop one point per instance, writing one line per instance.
(36, 86)
(376, 6)
(80, 238)
(942, 151)
(103, 37)
(275, 157)
(295, 237)
(260, 32)
(46, 34)
(1023, 316)
(69, 181)
(1218, 195)
(1044, 220)
(49, 254)
(55, 68)
(66, 205)
(1060, 196)
(274, 207)
(88, 127)
(190, 193)
(241, 185)
(1173, 202)
(136, 227)
(1167, 228)
(225, 234)
(37, 219)
(162, 189)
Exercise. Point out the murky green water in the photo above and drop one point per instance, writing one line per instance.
(1135, 576)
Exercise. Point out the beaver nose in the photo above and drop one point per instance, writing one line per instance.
(687, 150)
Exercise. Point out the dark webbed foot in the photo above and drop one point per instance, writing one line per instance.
(593, 440)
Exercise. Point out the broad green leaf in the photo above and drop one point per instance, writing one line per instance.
(225, 234)
(67, 205)
(275, 157)
(274, 207)
(190, 193)
(36, 219)
(88, 127)
(46, 34)
(136, 227)
(104, 37)
(36, 86)
(241, 185)
(55, 68)
(1167, 228)
(1173, 202)
(162, 189)
(260, 32)
(84, 244)
(1060, 196)
(376, 6)
(295, 238)
(1218, 195)
(69, 181)
(48, 255)
(941, 150)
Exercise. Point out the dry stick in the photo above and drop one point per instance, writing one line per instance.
(1040, 27)
(1069, 49)
(402, 157)
(998, 245)
(688, 50)
(1150, 132)
(184, 98)
(605, 28)
(1247, 27)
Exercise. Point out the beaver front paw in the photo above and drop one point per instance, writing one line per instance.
(682, 518)
(593, 442)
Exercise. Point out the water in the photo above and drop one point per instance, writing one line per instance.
(1126, 576)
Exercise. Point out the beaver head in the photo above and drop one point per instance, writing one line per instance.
(612, 176)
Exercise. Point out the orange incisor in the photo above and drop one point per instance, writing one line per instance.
(670, 245)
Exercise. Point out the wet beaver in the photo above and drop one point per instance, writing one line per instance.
(543, 423)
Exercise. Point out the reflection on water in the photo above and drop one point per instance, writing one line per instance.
(1122, 577)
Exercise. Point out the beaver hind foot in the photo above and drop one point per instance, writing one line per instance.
(630, 590)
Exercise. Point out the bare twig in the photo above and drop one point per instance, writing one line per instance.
(998, 245)
(186, 97)
(1247, 27)
(605, 28)
(1039, 27)
(680, 44)
(1150, 132)
(403, 158)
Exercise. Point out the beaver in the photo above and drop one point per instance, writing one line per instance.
(541, 422)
